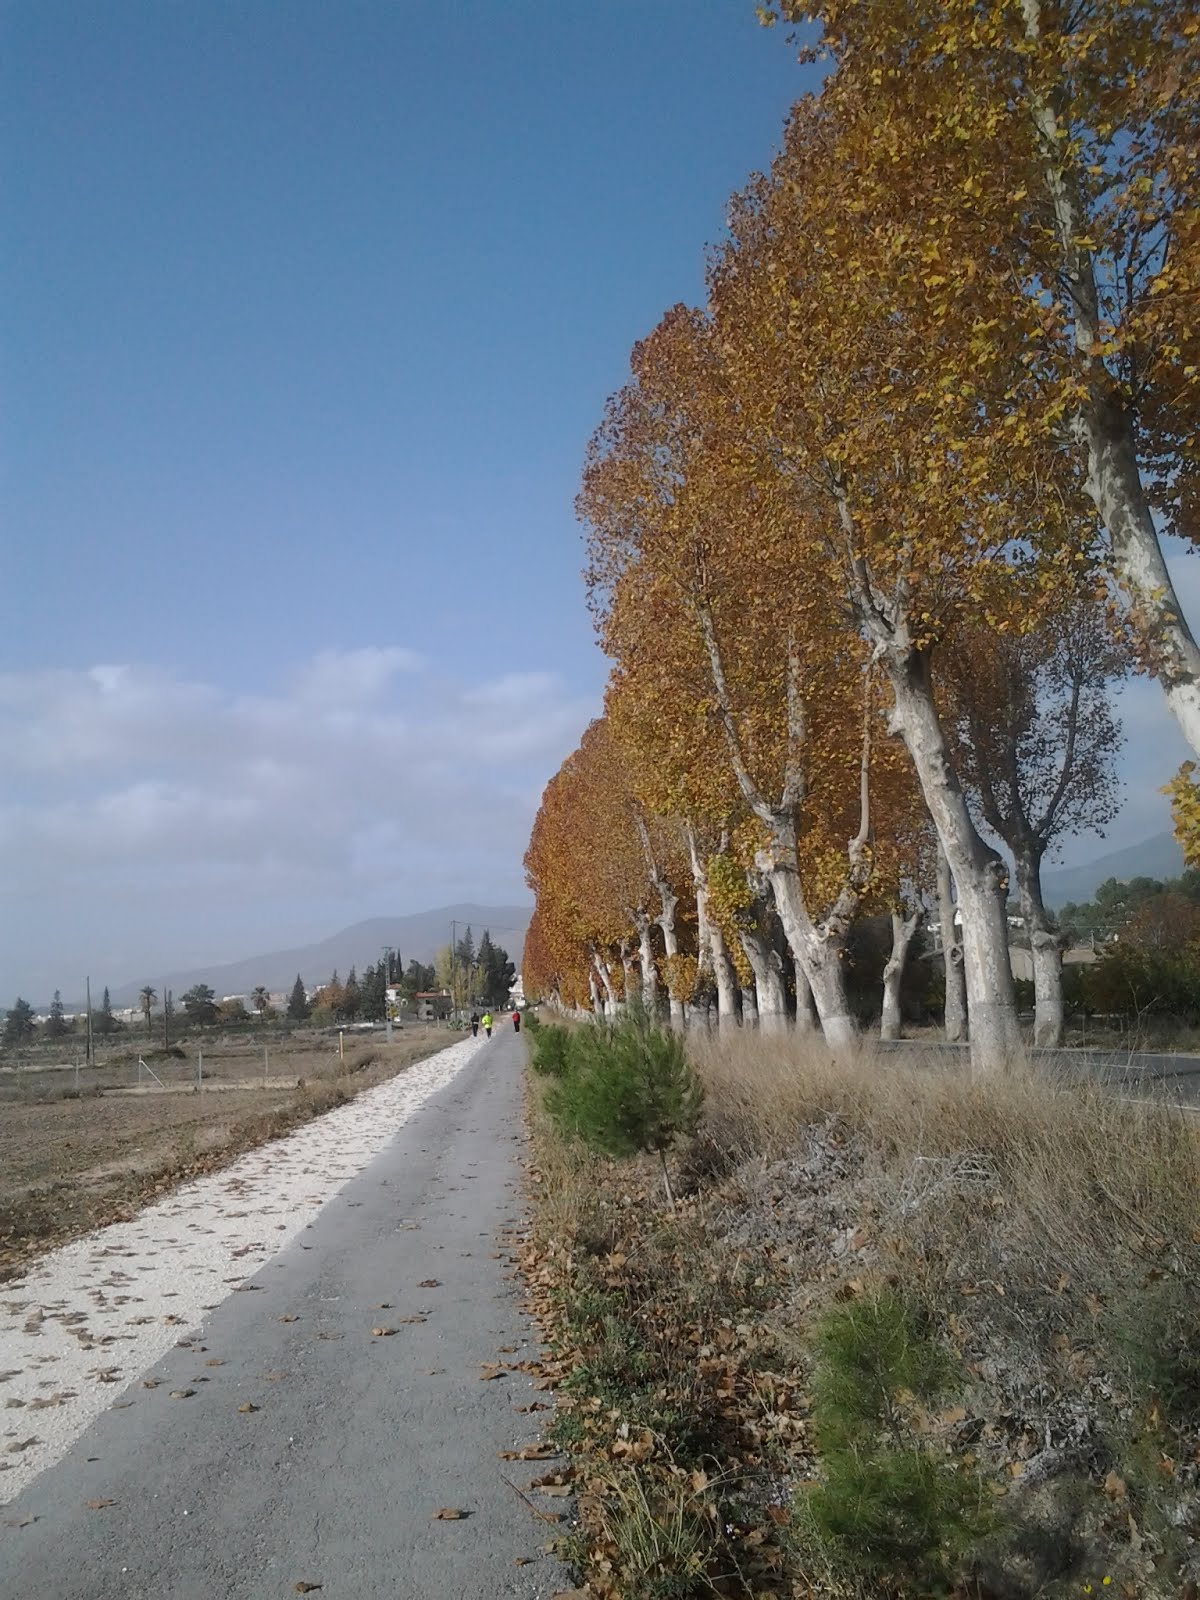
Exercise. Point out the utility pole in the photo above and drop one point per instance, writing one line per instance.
(453, 972)
(91, 1054)
(166, 1018)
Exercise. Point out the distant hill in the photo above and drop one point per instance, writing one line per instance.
(417, 937)
(1157, 857)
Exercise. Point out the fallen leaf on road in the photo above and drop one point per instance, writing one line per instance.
(98, 1505)
(19, 1522)
(182, 1394)
(522, 1561)
(214, 1362)
(449, 1514)
(382, 1333)
(384, 1305)
(414, 1319)
(274, 1377)
(149, 1383)
(247, 1405)
(22, 1444)
(329, 1336)
(430, 1283)
(287, 1319)
(307, 1588)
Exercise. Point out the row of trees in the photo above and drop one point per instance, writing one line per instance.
(873, 532)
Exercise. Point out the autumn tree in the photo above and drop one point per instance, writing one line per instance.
(838, 367)
(675, 514)
(1052, 152)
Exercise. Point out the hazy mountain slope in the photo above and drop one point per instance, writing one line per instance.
(416, 936)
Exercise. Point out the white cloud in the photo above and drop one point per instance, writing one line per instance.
(130, 786)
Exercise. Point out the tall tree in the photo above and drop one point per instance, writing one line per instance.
(146, 998)
(18, 1022)
(103, 1021)
(298, 1008)
(1052, 150)
(56, 1022)
(260, 999)
(200, 1003)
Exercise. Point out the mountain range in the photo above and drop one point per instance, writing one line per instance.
(1156, 857)
(417, 937)
(422, 933)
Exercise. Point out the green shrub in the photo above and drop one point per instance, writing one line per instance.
(629, 1089)
(551, 1050)
(886, 1506)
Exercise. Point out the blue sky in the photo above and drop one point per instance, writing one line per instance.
(306, 313)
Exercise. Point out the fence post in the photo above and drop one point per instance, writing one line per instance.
(266, 1060)
(200, 1068)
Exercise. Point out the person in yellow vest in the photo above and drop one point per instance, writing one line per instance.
(487, 1023)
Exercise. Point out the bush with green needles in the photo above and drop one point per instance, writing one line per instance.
(628, 1088)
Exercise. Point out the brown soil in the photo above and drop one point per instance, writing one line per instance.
(70, 1164)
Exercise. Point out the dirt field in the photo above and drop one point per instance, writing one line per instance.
(70, 1162)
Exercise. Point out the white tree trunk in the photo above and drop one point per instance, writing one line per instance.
(612, 1003)
(979, 873)
(726, 979)
(714, 952)
(1045, 949)
(643, 924)
(749, 1008)
(770, 996)
(666, 922)
(956, 983)
(597, 1001)
(903, 929)
(817, 959)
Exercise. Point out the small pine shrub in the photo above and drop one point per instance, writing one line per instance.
(629, 1089)
(886, 1507)
(551, 1050)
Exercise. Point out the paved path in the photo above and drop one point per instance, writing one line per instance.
(357, 1440)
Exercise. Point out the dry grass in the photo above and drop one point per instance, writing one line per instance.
(1046, 1232)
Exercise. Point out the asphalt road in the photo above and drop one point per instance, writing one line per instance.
(1157, 1075)
(358, 1440)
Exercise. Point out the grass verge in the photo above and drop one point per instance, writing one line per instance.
(908, 1333)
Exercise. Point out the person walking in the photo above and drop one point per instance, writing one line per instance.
(474, 1024)
(487, 1023)
(516, 1020)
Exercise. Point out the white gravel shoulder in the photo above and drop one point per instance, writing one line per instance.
(86, 1321)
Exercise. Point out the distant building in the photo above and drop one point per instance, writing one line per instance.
(434, 1006)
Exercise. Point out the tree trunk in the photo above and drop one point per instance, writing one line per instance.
(597, 1002)
(629, 967)
(611, 1002)
(726, 980)
(770, 996)
(749, 1008)
(979, 873)
(714, 953)
(903, 929)
(642, 922)
(1045, 948)
(666, 922)
(956, 983)
(819, 960)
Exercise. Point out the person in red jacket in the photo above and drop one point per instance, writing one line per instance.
(516, 1021)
